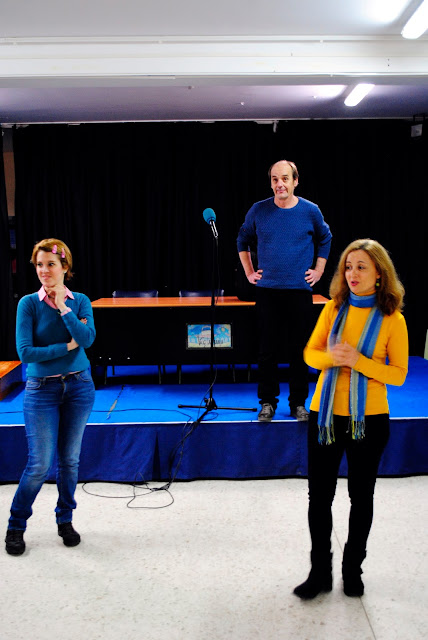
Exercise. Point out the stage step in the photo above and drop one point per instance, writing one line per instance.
(10, 376)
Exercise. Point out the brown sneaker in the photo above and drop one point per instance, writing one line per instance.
(267, 412)
(299, 413)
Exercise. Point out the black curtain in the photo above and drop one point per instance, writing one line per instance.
(7, 306)
(128, 198)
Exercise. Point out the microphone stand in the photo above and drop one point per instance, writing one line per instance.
(210, 403)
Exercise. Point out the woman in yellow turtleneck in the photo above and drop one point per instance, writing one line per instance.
(360, 344)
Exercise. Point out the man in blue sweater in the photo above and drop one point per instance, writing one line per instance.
(292, 242)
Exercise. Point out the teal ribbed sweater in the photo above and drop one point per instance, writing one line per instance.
(42, 335)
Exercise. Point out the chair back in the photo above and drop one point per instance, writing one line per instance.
(122, 293)
(202, 293)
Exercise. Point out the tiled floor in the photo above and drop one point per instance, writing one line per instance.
(219, 563)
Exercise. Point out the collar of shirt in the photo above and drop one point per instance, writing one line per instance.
(43, 296)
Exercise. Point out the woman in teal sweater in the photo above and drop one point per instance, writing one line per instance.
(53, 328)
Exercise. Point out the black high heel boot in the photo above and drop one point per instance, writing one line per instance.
(320, 577)
(353, 586)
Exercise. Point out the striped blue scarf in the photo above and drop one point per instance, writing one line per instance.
(358, 385)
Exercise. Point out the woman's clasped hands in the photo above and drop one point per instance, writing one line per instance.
(344, 355)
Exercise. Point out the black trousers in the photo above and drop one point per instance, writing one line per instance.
(363, 458)
(283, 315)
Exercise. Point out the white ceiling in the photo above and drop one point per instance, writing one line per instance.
(104, 60)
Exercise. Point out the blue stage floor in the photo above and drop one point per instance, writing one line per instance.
(136, 424)
(134, 395)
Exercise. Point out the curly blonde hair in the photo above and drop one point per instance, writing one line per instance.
(47, 245)
(389, 293)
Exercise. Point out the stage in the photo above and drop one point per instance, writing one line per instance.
(136, 431)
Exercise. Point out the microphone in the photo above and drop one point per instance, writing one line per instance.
(210, 218)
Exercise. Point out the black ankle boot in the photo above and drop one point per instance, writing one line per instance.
(15, 544)
(69, 536)
(353, 586)
(319, 579)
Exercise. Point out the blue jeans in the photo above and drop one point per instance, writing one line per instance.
(56, 411)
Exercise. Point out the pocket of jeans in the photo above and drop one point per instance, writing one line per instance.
(84, 376)
(33, 383)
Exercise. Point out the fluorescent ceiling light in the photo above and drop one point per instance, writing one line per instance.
(357, 94)
(385, 11)
(418, 23)
(327, 91)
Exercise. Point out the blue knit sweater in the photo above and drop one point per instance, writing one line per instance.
(42, 335)
(287, 241)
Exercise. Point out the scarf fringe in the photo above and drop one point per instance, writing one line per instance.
(326, 434)
(358, 428)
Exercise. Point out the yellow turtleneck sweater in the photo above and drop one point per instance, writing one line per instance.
(392, 344)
